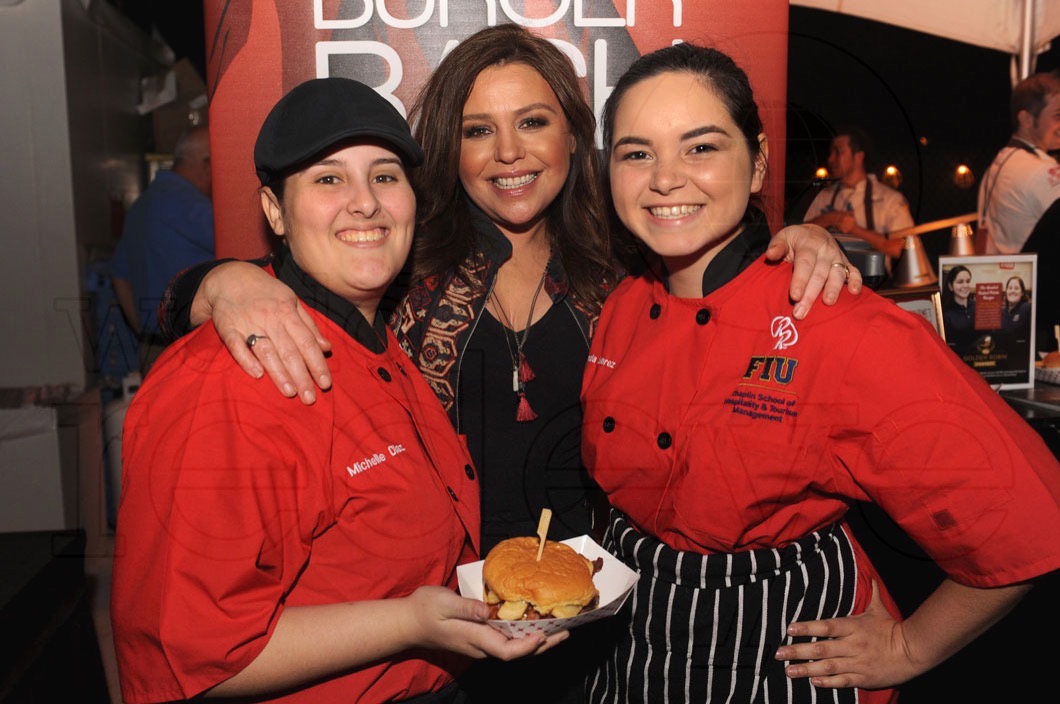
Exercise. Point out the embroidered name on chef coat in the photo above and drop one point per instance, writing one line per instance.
(376, 459)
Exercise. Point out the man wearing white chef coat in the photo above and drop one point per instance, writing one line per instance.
(858, 204)
(1023, 180)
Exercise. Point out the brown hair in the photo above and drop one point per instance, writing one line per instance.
(1031, 94)
(577, 220)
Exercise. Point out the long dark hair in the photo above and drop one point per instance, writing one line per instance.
(577, 220)
(948, 299)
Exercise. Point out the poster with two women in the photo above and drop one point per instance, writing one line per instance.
(988, 315)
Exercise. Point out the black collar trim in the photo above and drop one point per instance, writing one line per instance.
(336, 308)
(499, 250)
(736, 256)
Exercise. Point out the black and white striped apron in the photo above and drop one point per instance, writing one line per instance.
(705, 628)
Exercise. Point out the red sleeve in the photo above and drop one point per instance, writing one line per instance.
(222, 478)
(947, 458)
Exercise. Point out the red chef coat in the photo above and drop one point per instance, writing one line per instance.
(238, 502)
(721, 424)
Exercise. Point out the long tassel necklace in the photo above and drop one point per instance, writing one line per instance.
(521, 371)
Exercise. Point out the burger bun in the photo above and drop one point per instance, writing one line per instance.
(559, 585)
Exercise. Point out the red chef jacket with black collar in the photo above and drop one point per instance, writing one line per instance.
(238, 502)
(722, 424)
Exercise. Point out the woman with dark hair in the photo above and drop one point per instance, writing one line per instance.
(447, 238)
(958, 309)
(510, 269)
(732, 439)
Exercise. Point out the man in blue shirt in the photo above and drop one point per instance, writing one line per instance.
(167, 229)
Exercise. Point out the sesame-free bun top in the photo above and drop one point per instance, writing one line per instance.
(562, 578)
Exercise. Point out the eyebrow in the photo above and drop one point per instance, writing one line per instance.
(690, 134)
(521, 111)
(375, 162)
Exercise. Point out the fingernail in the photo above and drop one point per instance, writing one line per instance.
(781, 654)
(308, 397)
(288, 390)
(800, 312)
(325, 381)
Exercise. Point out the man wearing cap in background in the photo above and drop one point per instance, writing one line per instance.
(858, 204)
(275, 549)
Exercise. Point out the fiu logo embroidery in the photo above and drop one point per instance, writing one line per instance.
(778, 369)
(783, 331)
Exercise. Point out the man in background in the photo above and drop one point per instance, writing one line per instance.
(1023, 180)
(858, 204)
(1019, 197)
(167, 229)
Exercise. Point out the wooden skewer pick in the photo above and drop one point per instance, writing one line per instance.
(542, 530)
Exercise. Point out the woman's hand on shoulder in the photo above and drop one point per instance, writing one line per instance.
(244, 300)
(821, 268)
(445, 620)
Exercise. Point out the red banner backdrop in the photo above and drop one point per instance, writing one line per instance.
(259, 49)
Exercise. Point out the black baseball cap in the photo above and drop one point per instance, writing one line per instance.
(321, 112)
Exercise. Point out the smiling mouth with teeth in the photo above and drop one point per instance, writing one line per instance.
(362, 235)
(674, 211)
(509, 183)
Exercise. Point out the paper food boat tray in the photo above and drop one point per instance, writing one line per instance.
(614, 582)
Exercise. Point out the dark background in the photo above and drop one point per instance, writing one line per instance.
(929, 103)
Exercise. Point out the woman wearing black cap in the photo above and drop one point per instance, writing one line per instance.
(270, 549)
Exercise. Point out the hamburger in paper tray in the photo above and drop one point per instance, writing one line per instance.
(575, 582)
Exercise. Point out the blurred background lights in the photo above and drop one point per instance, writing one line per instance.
(821, 172)
(892, 176)
(963, 176)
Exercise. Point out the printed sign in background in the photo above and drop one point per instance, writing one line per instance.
(259, 49)
(1000, 349)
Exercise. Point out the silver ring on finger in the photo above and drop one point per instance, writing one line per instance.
(252, 339)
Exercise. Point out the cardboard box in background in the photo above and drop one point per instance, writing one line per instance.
(36, 494)
(187, 109)
(51, 466)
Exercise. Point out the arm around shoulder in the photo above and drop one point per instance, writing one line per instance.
(243, 299)
(176, 313)
(819, 265)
